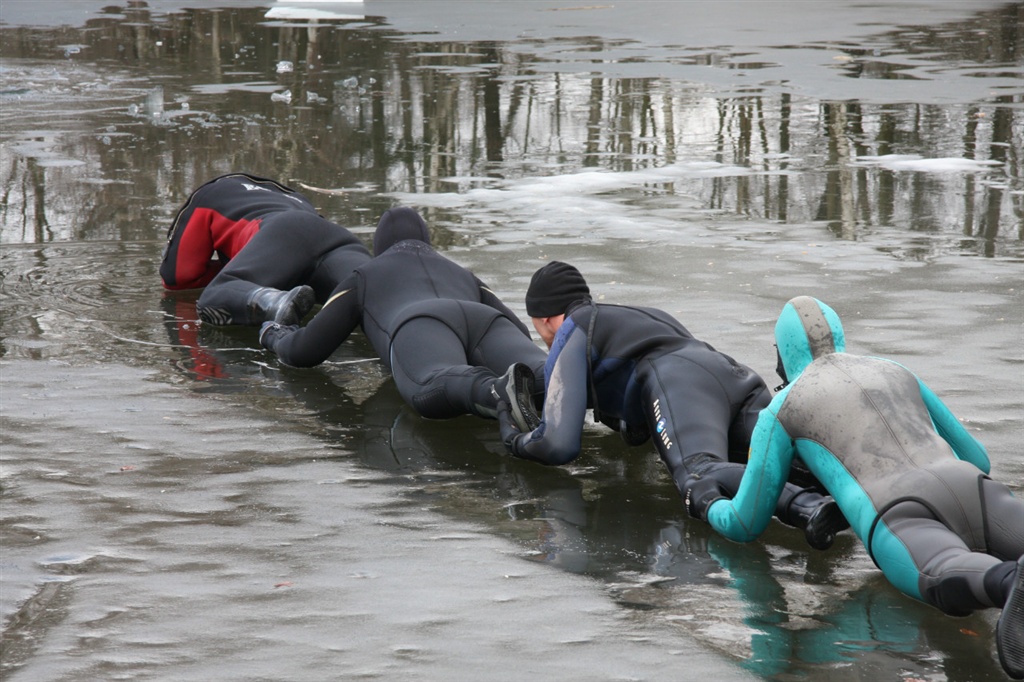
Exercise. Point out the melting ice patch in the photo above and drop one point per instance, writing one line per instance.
(587, 182)
(223, 88)
(589, 201)
(913, 162)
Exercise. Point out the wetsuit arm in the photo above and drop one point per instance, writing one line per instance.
(310, 345)
(965, 446)
(557, 440)
(490, 298)
(745, 517)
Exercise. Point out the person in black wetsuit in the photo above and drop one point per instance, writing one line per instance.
(260, 249)
(441, 332)
(643, 373)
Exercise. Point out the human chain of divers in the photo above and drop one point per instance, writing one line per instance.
(819, 455)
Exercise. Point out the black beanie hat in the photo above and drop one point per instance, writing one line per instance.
(398, 224)
(553, 288)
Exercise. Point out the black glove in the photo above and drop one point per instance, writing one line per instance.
(698, 494)
(507, 427)
(272, 332)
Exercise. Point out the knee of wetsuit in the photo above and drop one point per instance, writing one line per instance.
(953, 595)
(706, 465)
(703, 463)
(434, 405)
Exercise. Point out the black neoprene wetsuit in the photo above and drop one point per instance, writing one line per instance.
(263, 234)
(441, 332)
(647, 373)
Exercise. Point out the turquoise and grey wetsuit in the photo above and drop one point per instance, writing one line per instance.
(907, 475)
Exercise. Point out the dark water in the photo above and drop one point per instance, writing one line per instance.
(176, 505)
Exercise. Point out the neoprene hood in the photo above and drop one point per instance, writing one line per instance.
(807, 329)
(396, 225)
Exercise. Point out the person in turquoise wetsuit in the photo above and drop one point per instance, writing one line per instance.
(910, 479)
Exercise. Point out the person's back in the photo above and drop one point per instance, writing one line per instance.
(624, 336)
(392, 286)
(867, 413)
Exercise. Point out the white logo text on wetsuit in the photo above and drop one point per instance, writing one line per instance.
(267, 189)
(662, 425)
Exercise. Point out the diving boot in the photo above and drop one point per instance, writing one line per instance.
(634, 434)
(819, 516)
(267, 304)
(515, 388)
(1010, 627)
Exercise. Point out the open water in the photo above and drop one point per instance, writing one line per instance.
(176, 505)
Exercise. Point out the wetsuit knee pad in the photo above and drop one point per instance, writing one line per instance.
(705, 465)
(434, 405)
(952, 595)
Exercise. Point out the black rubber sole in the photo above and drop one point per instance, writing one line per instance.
(1010, 628)
(519, 396)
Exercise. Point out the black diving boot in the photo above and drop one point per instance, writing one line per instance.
(267, 304)
(515, 387)
(819, 516)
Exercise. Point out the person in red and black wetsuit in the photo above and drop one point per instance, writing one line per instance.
(261, 250)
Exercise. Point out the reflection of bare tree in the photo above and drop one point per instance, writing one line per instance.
(594, 116)
(1002, 136)
(837, 201)
(37, 186)
(494, 136)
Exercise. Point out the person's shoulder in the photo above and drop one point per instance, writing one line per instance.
(636, 310)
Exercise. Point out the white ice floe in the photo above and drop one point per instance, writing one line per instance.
(913, 162)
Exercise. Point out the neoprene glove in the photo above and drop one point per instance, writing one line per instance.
(698, 495)
(272, 332)
(507, 427)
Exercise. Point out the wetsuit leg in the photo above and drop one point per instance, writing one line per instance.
(432, 372)
(334, 266)
(1004, 520)
(445, 369)
(950, 576)
(502, 344)
(281, 255)
(741, 429)
(691, 416)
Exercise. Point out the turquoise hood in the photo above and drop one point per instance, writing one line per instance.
(807, 329)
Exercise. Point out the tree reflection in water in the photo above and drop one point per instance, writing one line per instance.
(106, 139)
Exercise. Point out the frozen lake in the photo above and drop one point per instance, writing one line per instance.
(177, 505)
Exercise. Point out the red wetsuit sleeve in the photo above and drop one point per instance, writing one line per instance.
(190, 255)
